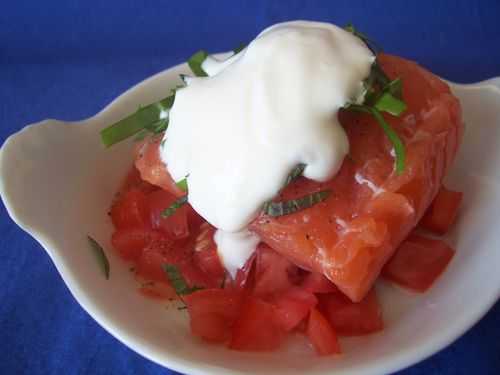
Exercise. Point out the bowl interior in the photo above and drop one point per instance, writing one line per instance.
(76, 178)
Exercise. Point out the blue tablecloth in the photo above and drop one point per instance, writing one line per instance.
(68, 59)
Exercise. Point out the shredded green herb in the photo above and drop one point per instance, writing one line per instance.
(388, 103)
(295, 173)
(153, 117)
(177, 280)
(100, 256)
(289, 207)
(195, 62)
(182, 184)
(240, 48)
(179, 202)
(399, 148)
(395, 87)
(381, 95)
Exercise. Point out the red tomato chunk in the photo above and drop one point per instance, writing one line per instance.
(352, 319)
(443, 211)
(256, 328)
(418, 263)
(294, 306)
(213, 312)
(130, 211)
(321, 334)
(176, 225)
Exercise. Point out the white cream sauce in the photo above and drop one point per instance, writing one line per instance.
(238, 133)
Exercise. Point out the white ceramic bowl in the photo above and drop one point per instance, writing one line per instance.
(57, 182)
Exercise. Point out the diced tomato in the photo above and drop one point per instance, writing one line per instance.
(443, 211)
(273, 272)
(149, 265)
(293, 306)
(418, 262)
(131, 242)
(176, 225)
(134, 181)
(245, 276)
(321, 334)
(208, 261)
(130, 211)
(205, 252)
(256, 328)
(194, 219)
(317, 283)
(350, 318)
(213, 312)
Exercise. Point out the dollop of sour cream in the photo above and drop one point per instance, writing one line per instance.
(238, 133)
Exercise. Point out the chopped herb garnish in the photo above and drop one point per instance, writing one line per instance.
(289, 207)
(177, 281)
(182, 184)
(295, 173)
(240, 48)
(141, 135)
(399, 148)
(395, 87)
(100, 256)
(381, 95)
(195, 62)
(153, 117)
(388, 103)
(178, 203)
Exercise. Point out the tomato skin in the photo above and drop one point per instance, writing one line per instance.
(352, 319)
(418, 262)
(209, 262)
(256, 328)
(272, 272)
(213, 312)
(130, 211)
(133, 181)
(293, 306)
(321, 334)
(149, 265)
(205, 252)
(317, 283)
(443, 211)
(176, 225)
(131, 242)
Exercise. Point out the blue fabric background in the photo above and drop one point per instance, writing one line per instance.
(68, 59)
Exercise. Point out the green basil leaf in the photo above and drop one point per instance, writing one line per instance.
(295, 173)
(240, 48)
(399, 148)
(196, 61)
(395, 87)
(289, 207)
(100, 256)
(177, 280)
(182, 184)
(149, 115)
(179, 202)
(388, 103)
